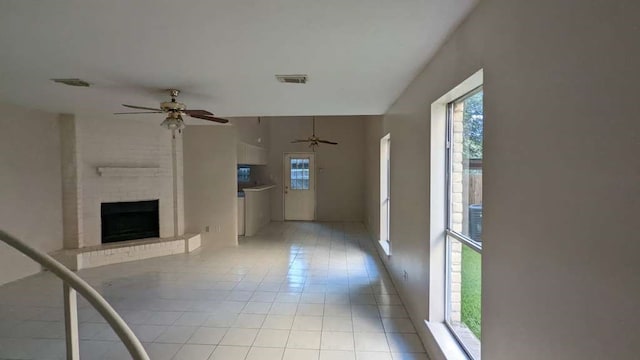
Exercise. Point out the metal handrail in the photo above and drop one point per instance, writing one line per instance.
(73, 283)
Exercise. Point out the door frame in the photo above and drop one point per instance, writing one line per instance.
(284, 182)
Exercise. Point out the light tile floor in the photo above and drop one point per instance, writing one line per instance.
(296, 291)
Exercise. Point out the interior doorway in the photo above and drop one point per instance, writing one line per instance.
(299, 186)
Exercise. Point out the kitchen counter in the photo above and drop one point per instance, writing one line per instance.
(257, 209)
(259, 188)
(241, 193)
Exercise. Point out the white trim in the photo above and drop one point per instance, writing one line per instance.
(385, 245)
(385, 194)
(447, 345)
(472, 82)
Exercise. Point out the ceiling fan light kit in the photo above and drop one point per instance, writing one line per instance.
(172, 123)
(175, 111)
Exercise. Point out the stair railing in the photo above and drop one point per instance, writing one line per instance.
(72, 283)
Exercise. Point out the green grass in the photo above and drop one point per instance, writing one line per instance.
(471, 289)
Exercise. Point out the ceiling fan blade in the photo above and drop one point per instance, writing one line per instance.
(138, 112)
(197, 112)
(210, 118)
(299, 141)
(141, 107)
(328, 142)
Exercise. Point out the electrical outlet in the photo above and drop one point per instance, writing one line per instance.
(206, 228)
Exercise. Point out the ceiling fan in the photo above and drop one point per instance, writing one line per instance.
(313, 140)
(174, 110)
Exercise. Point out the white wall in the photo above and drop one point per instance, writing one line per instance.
(30, 186)
(561, 176)
(252, 130)
(210, 184)
(257, 211)
(373, 132)
(340, 168)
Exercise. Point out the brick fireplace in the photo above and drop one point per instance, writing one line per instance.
(108, 160)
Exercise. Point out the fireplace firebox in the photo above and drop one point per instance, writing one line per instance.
(122, 221)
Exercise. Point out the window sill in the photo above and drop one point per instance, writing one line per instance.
(385, 247)
(447, 344)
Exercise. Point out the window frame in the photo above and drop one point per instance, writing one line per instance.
(449, 169)
(385, 191)
(449, 233)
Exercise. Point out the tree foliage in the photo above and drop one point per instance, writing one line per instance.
(473, 118)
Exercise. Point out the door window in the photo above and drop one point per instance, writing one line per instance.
(299, 174)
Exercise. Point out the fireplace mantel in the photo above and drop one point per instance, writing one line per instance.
(128, 171)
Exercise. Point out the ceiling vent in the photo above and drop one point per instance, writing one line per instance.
(293, 79)
(72, 82)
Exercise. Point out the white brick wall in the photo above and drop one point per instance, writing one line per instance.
(457, 215)
(104, 142)
(180, 183)
(129, 253)
(126, 251)
(71, 190)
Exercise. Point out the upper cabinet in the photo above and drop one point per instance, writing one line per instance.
(251, 155)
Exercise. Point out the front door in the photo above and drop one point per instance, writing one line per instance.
(299, 186)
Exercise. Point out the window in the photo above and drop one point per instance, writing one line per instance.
(464, 219)
(299, 174)
(244, 174)
(385, 192)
